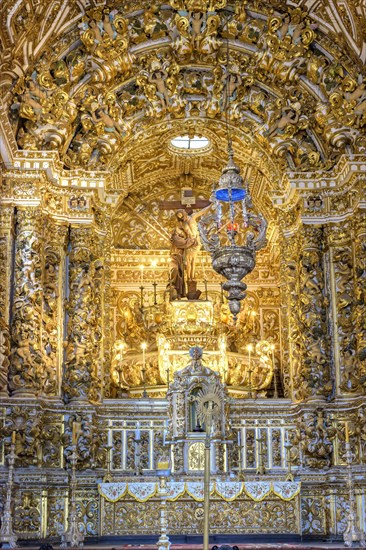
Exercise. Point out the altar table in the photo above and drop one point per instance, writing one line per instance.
(235, 507)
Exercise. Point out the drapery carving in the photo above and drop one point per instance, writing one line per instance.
(227, 490)
(84, 308)
(313, 380)
(26, 356)
(6, 238)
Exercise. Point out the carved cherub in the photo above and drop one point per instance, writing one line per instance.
(289, 116)
(158, 77)
(109, 124)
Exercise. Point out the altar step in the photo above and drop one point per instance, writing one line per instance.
(190, 546)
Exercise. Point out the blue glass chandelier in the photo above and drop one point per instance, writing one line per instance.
(232, 231)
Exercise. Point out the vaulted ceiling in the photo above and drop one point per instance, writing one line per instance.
(89, 80)
(107, 86)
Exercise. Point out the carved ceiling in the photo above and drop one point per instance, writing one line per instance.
(86, 79)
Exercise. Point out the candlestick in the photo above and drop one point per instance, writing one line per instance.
(142, 297)
(347, 432)
(222, 293)
(137, 431)
(155, 284)
(8, 539)
(143, 347)
(107, 478)
(249, 349)
(13, 436)
(72, 536)
(288, 446)
(206, 294)
(352, 535)
(74, 438)
(275, 394)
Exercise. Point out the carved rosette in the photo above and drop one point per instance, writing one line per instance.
(26, 356)
(52, 317)
(84, 333)
(313, 380)
(6, 239)
(343, 293)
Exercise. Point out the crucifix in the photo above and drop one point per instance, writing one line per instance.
(187, 202)
(185, 244)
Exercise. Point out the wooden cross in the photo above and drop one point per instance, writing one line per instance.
(188, 202)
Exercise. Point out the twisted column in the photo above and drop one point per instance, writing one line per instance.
(314, 377)
(52, 310)
(82, 370)
(343, 291)
(108, 329)
(26, 356)
(292, 352)
(359, 249)
(6, 245)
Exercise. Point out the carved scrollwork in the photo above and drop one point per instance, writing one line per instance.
(70, 104)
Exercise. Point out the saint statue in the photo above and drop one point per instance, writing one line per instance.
(183, 254)
(181, 241)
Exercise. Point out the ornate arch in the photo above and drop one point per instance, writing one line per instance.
(106, 76)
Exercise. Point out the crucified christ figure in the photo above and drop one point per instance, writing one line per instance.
(185, 247)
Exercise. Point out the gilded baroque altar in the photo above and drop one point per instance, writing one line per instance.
(114, 124)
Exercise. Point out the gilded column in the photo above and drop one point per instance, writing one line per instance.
(342, 296)
(292, 343)
(84, 333)
(26, 356)
(52, 310)
(108, 329)
(6, 253)
(359, 248)
(313, 381)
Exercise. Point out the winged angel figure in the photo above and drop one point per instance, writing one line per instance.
(196, 32)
